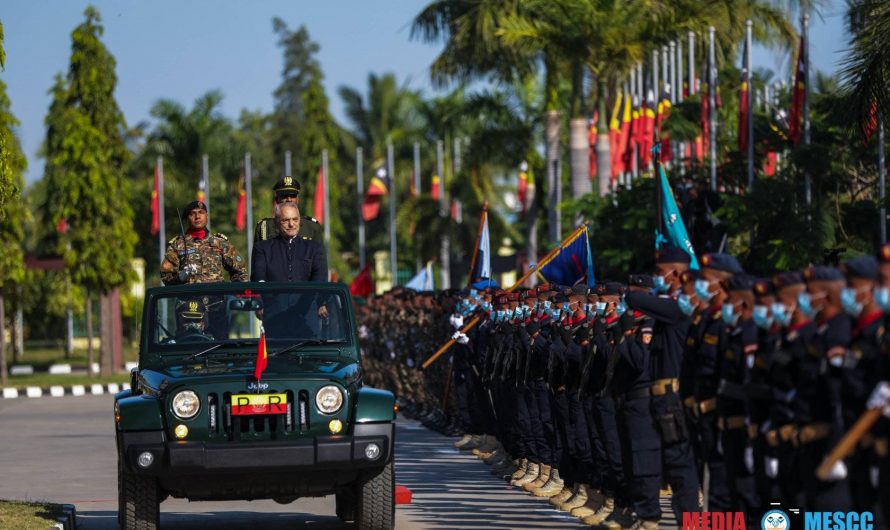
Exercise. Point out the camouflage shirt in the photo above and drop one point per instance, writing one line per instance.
(213, 256)
(310, 228)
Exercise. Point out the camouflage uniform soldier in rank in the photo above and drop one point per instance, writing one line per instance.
(201, 257)
(288, 190)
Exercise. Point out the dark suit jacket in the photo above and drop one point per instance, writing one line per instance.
(270, 261)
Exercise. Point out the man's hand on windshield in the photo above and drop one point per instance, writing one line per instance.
(322, 312)
(259, 313)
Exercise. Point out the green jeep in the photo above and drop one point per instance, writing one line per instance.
(208, 417)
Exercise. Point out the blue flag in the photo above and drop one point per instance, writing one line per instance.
(482, 268)
(423, 280)
(674, 230)
(573, 264)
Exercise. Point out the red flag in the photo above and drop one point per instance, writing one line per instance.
(662, 113)
(318, 203)
(798, 94)
(769, 164)
(633, 137)
(744, 104)
(871, 123)
(457, 210)
(363, 284)
(615, 137)
(62, 226)
(647, 134)
(591, 146)
(624, 140)
(241, 209)
(155, 203)
(521, 191)
(200, 195)
(434, 189)
(262, 357)
(377, 189)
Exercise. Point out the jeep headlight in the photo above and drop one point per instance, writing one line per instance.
(329, 399)
(186, 404)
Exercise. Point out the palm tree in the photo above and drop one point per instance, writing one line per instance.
(866, 70)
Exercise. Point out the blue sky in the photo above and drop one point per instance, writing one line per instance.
(181, 49)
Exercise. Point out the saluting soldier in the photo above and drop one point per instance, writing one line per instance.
(288, 190)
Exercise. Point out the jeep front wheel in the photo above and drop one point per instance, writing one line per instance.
(376, 506)
(138, 501)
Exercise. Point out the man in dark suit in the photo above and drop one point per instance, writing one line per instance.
(289, 257)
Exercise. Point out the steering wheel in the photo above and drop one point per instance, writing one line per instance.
(193, 336)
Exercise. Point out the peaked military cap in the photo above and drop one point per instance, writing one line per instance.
(641, 280)
(613, 288)
(863, 267)
(822, 273)
(287, 186)
(580, 289)
(672, 254)
(785, 279)
(720, 261)
(561, 299)
(739, 282)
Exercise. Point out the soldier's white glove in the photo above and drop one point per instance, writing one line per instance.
(457, 321)
(189, 270)
(838, 471)
(771, 467)
(749, 459)
(463, 339)
(880, 397)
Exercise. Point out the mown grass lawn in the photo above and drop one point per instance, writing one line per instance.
(42, 358)
(28, 515)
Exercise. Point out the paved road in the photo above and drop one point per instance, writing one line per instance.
(62, 450)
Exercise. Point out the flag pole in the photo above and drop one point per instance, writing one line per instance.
(532, 270)
(393, 260)
(681, 146)
(248, 177)
(287, 164)
(327, 205)
(749, 38)
(360, 186)
(417, 169)
(882, 182)
(445, 251)
(712, 107)
(692, 91)
(482, 218)
(162, 233)
(205, 176)
(805, 25)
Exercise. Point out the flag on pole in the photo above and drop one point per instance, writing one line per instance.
(591, 145)
(647, 124)
(423, 280)
(482, 266)
(457, 210)
(363, 284)
(262, 357)
(744, 103)
(798, 94)
(663, 111)
(573, 263)
(62, 226)
(201, 194)
(241, 209)
(434, 188)
(615, 137)
(624, 140)
(377, 189)
(318, 202)
(671, 229)
(156, 203)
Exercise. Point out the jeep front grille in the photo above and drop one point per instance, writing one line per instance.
(261, 427)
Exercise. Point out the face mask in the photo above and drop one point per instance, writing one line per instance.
(554, 314)
(621, 308)
(600, 308)
(781, 314)
(749, 360)
(661, 285)
(761, 317)
(685, 304)
(848, 300)
(805, 303)
(701, 290)
(882, 298)
(565, 307)
(727, 313)
(474, 293)
(546, 304)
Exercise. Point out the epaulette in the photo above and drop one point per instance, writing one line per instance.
(221, 236)
(172, 240)
(313, 219)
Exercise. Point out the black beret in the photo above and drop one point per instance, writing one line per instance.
(641, 280)
(580, 289)
(784, 279)
(613, 288)
(561, 299)
(722, 262)
(862, 267)
(287, 186)
(194, 205)
(763, 286)
(672, 254)
(502, 300)
(822, 273)
(739, 282)
(689, 276)
(533, 327)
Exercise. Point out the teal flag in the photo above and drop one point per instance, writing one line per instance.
(672, 230)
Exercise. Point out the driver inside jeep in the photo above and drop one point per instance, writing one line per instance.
(191, 321)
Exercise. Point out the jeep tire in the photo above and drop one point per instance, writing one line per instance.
(139, 504)
(375, 508)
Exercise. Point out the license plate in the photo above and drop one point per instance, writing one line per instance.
(251, 404)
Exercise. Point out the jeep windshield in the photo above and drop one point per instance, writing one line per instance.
(223, 317)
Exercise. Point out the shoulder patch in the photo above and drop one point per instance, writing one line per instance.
(711, 339)
(221, 236)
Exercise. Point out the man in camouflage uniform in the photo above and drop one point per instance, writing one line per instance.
(201, 257)
(288, 190)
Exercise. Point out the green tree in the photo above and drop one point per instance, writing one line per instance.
(866, 70)
(86, 163)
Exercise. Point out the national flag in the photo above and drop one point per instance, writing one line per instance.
(624, 141)
(262, 357)
(482, 261)
(318, 202)
(241, 209)
(201, 194)
(705, 118)
(522, 189)
(457, 210)
(615, 137)
(870, 125)
(363, 284)
(573, 264)
(434, 187)
(769, 164)
(798, 95)
(634, 135)
(62, 226)
(156, 203)
(662, 113)
(647, 124)
(423, 280)
(744, 103)
(671, 228)
(591, 145)
(377, 189)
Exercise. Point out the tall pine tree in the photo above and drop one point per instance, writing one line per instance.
(86, 158)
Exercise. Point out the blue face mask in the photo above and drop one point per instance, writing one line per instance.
(727, 313)
(781, 314)
(805, 303)
(486, 306)
(554, 314)
(685, 303)
(762, 318)
(600, 308)
(702, 290)
(474, 293)
(565, 307)
(546, 304)
(621, 308)
(882, 298)
(661, 285)
(848, 301)
(588, 308)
